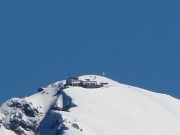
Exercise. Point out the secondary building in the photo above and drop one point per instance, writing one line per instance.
(74, 81)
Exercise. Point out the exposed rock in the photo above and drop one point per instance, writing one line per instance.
(56, 108)
(15, 103)
(27, 125)
(29, 111)
(40, 89)
(6, 125)
(63, 103)
(75, 125)
(23, 118)
(20, 131)
(14, 123)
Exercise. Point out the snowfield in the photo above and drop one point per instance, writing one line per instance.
(115, 109)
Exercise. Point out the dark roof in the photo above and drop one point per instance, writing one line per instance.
(103, 83)
(90, 81)
(74, 78)
(92, 86)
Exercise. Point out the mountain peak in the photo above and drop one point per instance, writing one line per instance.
(90, 105)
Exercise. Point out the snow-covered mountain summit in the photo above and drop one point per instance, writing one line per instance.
(81, 109)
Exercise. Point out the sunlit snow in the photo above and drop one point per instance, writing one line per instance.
(114, 109)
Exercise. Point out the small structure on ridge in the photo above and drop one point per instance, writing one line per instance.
(74, 81)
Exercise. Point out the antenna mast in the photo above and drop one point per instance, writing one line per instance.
(68, 71)
(103, 74)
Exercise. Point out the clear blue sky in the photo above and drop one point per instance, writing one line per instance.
(133, 42)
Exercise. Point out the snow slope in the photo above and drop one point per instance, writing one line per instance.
(111, 110)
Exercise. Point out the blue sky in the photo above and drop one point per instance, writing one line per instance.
(133, 42)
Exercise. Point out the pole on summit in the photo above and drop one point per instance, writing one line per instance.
(103, 74)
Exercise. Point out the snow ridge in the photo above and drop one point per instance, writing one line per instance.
(112, 109)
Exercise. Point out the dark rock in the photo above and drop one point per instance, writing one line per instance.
(14, 123)
(27, 125)
(40, 89)
(7, 125)
(20, 131)
(15, 103)
(56, 108)
(29, 111)
(75, 125)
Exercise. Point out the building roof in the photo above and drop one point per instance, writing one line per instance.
(103, 83)
(73, 78)
(89, 81)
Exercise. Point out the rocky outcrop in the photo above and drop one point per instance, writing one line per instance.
(63, 102)
(20, 116)
(40, 89)
(20, 131)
